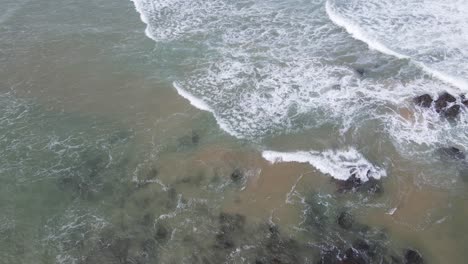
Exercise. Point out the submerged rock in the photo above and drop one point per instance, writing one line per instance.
(224, 241)
(82, 187)
(148, 219)
(373, 186)
(364, 246)
(465, 103)
(413, 257)
(120, 248)
(349, 256)
(195, 138)
(279, 250)
(361, 252)
(230, 226)
(353, 183)
(329, 257)
(350, 184)
(95, 165)
(353, 256)
(152, 174)
(360, 71)
(237, 175)
(172, 198)
(424, 100)
(452, 153)
(189, 141)
(162, 232)
(345, 220)
(148, 246)
(231, 222)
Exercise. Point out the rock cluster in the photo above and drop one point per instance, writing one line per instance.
(446, 104)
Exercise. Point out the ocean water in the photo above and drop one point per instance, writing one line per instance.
(216, 131)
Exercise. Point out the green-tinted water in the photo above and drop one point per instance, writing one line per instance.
(103, 162)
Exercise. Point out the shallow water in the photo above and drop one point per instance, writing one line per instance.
(221, 135)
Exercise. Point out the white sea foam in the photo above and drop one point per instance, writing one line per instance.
(339, 164)
(358, 33)
(269, 77)
(447, 78)
(171, 19)
(433, 33)
(198, 103)
(269, 68)
(425, 128)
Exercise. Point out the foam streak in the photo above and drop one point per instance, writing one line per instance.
(339, 164)
(357, 32)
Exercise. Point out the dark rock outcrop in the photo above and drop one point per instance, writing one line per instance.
(372, 186)
(452, 112)
(442, 102)
(445, 104)
(350, 184)
(424, 100)
(162, 232)
(237, 175)
(355, 184)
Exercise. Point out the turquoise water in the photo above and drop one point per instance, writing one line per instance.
(219, 135)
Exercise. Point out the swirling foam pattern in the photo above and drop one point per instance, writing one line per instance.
(272, 67)
(432, 32)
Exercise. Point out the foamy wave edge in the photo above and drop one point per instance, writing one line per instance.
(194, 101)
(339, 164)
(140, 9)
(200, 104)
(357, 33)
